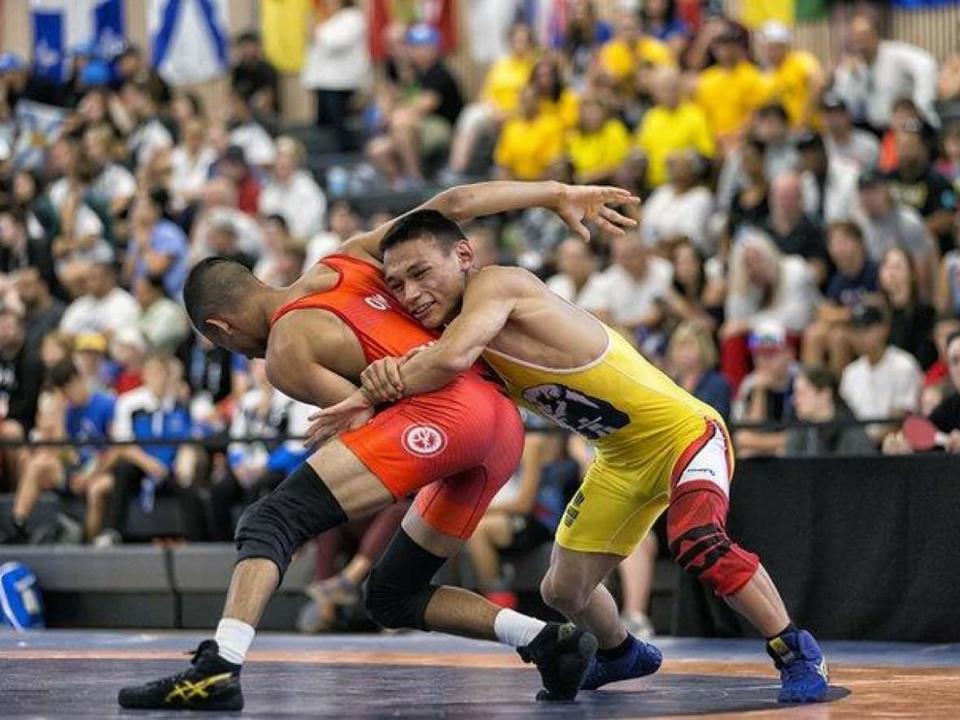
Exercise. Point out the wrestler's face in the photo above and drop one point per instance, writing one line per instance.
(428, 279)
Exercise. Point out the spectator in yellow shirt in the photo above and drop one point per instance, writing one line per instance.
(629, 47)
(499, 100)
(672, 124)
(600, 145)
(730, 91)
(554, 96)
(530, 142)
(795, 78)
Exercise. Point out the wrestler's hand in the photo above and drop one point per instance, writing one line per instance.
(348, 414)
(381, 380)
(589, 203)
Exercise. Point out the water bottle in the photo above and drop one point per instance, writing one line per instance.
(148, 494)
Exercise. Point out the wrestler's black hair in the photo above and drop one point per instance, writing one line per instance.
(423, 223)
(215, 286)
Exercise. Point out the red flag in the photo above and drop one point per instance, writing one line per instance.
(438, 13)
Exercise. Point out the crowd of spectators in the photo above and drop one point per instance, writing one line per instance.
(792, 213)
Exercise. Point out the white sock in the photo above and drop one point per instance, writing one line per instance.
(233, 640)
(516, 630)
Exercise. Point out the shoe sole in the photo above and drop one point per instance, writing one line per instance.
(585, 650)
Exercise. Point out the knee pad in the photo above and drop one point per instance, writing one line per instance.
(697, 534)
(299, 508)
(399, 589)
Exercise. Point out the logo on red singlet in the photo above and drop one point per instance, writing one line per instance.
(424, 440)
(377, 302)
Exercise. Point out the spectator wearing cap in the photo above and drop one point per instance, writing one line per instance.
(252, 76)
(795, 77)
(162, 322)
(886, 224)
(791, 228)
(337, 66)
(816, 399)
(682, 206)
(770, 127)
(158, 246)
(499, 100)
(916, 184)
(70, 412)
(672, 124)
(911, 319)
(766, 394)
(829, 183)
(764, 284)
(103, 307)
(90, 352)
(731, 90)
(877, 72)
(419, 120)
(853, 277)
(842, 139)
(249, 134)
(884, 381)
(292, 192)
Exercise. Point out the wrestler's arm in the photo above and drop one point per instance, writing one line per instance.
(488, 301)
(294, 369)
(465, 202)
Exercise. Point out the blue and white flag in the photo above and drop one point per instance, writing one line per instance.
(189, 39)
(62, 26)
(38, 125)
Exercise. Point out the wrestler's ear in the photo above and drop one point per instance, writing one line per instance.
(220, 326)
(464, 252)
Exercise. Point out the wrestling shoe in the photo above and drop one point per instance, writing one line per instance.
(803, 669)
(639, 660)
(210, 683)
(562, 654)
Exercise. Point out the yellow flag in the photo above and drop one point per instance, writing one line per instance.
(283, 25)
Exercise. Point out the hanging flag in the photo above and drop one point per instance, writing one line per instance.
(283, 24)
(62, 26)
(38, 125)
(188, 39)
(384, 13)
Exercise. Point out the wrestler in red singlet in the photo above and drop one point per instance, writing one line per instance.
(459, 444)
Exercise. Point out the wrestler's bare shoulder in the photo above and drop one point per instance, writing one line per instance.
(505, 281)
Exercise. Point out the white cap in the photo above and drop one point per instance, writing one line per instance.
(776, 32)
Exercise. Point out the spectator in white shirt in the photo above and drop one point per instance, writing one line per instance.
(844, 140)
(681, 206)
(112, 180)
(576, 266)
(147, 134)
(191, 161)
(879, 72)
(885, 381)
(337, 65)
(219, 206)
(626, 294)
(292, 192)
(245, 131)
(829, 183)
(104, 307)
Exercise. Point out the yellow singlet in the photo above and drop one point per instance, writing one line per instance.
(640, 423)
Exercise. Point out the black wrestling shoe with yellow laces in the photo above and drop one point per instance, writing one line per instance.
(210, 683)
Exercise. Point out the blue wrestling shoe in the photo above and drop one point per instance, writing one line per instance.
(638, 660)
(803, 669)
